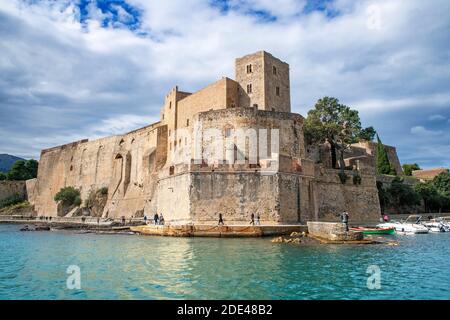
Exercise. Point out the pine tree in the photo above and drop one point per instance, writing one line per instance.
(383, 164)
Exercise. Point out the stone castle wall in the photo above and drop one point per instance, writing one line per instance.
(127, 165)
(369, 148)
(12, 188)
(264, 73)
(332, 197)
(143, 174)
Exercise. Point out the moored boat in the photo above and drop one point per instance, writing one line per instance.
(374, 230)
(412, 225)
(437, 226)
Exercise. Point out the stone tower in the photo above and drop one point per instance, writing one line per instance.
(264, 82)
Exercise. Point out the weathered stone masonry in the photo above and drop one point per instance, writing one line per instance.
(140, 170)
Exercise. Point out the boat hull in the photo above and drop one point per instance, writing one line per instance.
(369, 231)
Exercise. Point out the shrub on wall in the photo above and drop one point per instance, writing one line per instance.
(69, 196)
(77, 201)
(11, 200)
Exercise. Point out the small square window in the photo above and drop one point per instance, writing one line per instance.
(249, 88)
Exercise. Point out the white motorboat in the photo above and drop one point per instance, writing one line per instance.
(437, 225)
(412, 225)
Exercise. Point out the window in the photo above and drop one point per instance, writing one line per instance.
(255, 106)
(249, 88)
(278, 91)
(249, 68)
(170, 105)
(187, 123)
(228, 132)
(274, 70)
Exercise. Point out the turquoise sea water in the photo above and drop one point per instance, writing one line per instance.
(33, 266)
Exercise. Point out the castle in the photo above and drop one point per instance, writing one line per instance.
(233, 147)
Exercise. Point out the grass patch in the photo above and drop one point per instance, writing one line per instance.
(16, 208)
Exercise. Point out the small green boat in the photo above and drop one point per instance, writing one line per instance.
(369, 230)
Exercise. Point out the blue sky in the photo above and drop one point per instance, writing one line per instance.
(85, 69)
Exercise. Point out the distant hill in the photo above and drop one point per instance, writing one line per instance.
(6, 161)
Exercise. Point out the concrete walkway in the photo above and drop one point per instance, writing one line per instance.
(204, 230)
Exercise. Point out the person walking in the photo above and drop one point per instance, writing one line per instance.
(161, 219)
(145, 219)
(156, 218)
(220, 219)
(252, 222)
(258, 218)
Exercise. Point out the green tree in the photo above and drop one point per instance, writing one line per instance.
(336, 123)
(23, 170)
(401, 194)
(2, 176)
(69, 196)
(430, 196)
(383, 164)
(409, 167)
(367, 134)
(442, 183)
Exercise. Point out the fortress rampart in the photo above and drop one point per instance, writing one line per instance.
(178, 168)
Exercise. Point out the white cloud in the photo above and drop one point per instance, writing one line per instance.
(420, 130)
(72, 76)
(436, 117)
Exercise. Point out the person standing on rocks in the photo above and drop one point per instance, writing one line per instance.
(344, 218)
(220, 219)
(252, 222)
(156, 218)
(258, 218)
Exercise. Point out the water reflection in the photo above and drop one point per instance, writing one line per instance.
(33, 266)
